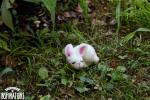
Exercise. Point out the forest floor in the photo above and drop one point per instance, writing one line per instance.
(123, 72)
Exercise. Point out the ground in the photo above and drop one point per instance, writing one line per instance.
(40, 68)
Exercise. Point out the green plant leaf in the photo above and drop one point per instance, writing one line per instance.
(6, 14)
(118, 76)
(46, 97)
(142, 30)
(141, 3)
(5, 71)
(84, 6)
(123, 57)
(82, 88)
(121, 68)
(43, 73)
(108, 86)
(12, 1)
(132, 34)
(128, 37)
(3, 45)
(33, 1)
(51, 6)
(104, 68)
(64, 81)
(87, 80)
(78, 34)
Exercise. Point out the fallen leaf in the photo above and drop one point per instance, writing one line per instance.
(60, 18)
(109, 33)
(112, 63)
(8, 61)
(73, 14)
(93, 15)
(113, 22)
(43, 73)
(67, 14)
(78, 9)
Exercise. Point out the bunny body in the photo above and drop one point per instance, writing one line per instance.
(81, 56)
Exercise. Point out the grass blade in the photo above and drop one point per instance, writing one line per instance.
(51, 5)
(84, 6)
(4, 45)
(5, 71)
(132, 34)
(118, 15)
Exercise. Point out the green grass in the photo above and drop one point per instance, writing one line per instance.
(42, 70)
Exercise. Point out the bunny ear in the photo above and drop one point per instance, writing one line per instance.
(81, 50)
(68, 50)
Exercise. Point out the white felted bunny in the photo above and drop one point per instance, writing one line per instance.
(81, 56)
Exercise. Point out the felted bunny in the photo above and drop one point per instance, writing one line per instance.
(81, 56)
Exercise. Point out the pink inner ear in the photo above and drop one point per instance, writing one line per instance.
(82, 49)
(69, 51)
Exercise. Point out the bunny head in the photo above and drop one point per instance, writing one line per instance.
(74, 56)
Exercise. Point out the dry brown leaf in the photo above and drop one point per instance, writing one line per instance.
(109, 33)
(67, 14)
(60, 18)
(98, 22)
(93, 14)
(76, 13)
(73, 14)
(78, 9)
(8, 61)
(113, 21)
(112, 63)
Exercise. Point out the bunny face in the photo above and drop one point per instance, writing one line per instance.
(74, 57)
(76, 61)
